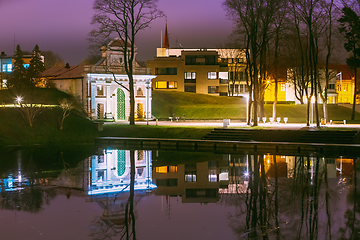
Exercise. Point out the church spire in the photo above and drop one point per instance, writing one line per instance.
(166, 38)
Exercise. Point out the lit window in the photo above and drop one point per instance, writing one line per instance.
(4, 83)
(162, 169)
(345, 87)
(190, 75)
(282, 86)
(190, 176)
(212, 176)
(212, 75)
(7, 67)
(26, 66)
(172, 84)
(161, 84)
(172, 169)
(100, 90)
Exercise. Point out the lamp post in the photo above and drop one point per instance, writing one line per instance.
(247, 108)
(312, 110)
(340, 78)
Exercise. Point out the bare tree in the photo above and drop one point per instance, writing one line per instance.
(254, 21)
(66, 107)
(28, 109)
(124, 18)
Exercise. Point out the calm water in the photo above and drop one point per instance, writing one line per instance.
(106, 193)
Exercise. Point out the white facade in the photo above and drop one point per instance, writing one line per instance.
(107, 99)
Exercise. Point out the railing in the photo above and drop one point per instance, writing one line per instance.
(115, 70)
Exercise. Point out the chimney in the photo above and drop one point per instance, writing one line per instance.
(67, 66)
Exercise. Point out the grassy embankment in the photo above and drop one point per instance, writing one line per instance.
(206, 107)
(15, 130)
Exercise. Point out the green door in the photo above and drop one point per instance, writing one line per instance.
(121, 160)
(120, 104)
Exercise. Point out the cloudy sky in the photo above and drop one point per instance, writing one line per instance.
(63, 25)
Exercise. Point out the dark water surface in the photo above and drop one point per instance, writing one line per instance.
(106, 193)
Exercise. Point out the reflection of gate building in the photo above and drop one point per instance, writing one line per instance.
(109, 172)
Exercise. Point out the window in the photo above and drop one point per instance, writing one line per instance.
(190, 176)
(236, 88)
(165, 84)
(162, 169)
(345, 87)
(161, 84)
(190, 89)
(172, 169)
(190, 60)
(190, 77)
(242, 88)
(171, 182)
(166, 71)
(99, 90)
(172, 84)
(282, 87)
(212, 75)
(7, 67)
(241, 76)
(4, 83)
(331, 86)
(213, 89)
(339, 88)
(26, 66)
(212, 176)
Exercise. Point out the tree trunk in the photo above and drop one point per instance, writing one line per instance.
(354, 101)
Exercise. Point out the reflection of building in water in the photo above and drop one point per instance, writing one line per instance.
(109, 171)
(284, 164)
(15, 181)
(194, 182)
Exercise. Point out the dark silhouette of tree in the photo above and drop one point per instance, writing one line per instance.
(18, 78)
(350, 28)
(36, 65)
(124, 18)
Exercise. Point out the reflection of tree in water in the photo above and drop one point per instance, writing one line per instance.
(352, 222)
(30, 199)
(274, 207)
(118, 217)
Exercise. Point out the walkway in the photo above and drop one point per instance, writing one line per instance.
(235, 124)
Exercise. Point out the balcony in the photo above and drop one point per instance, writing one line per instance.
(223, 81)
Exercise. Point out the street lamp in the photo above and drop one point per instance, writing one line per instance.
(247, 108)
(340, 77)
(18, 99)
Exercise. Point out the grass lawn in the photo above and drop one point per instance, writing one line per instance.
(193, 106)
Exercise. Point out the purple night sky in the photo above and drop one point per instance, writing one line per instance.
(63, 25)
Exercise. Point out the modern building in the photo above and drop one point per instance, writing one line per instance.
(6, 66)
(104, 87)
(206, 71)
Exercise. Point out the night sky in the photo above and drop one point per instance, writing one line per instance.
(63, 26)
